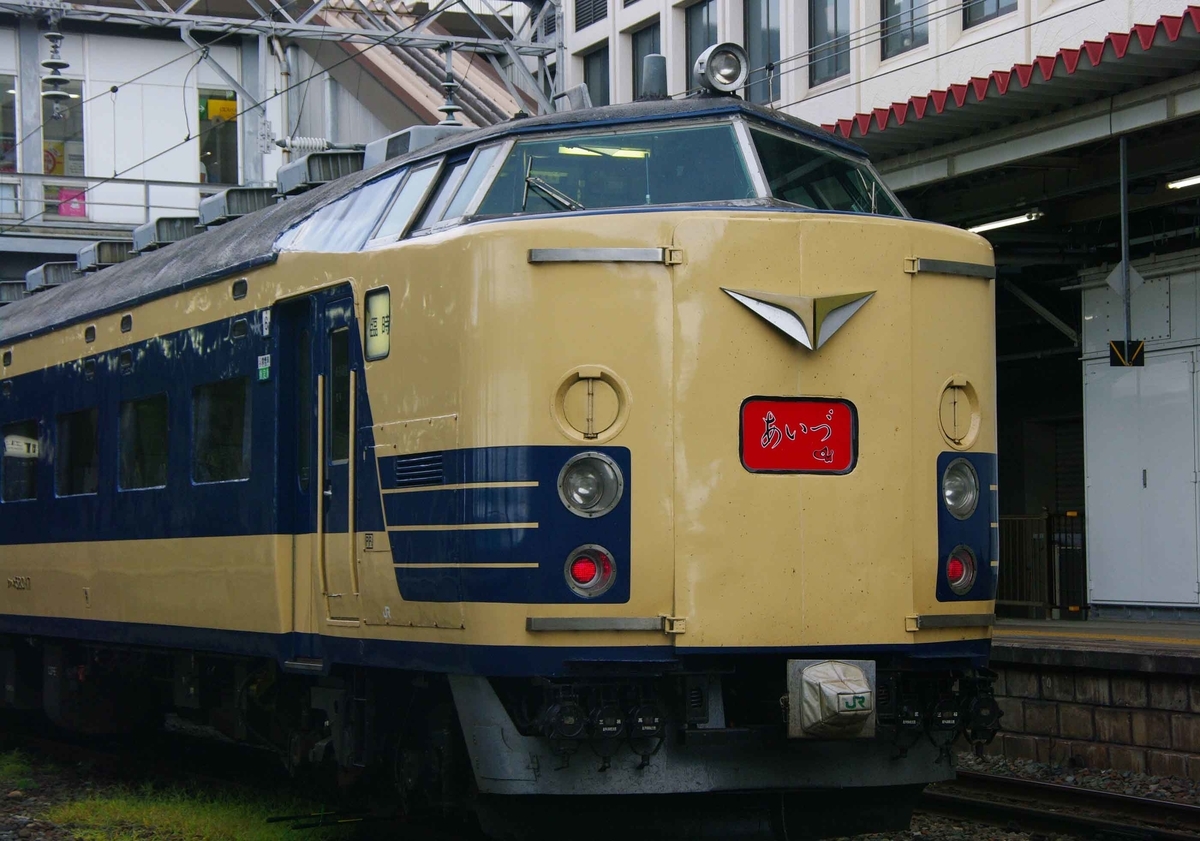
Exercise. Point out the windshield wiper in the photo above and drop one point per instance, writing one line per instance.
(547, 192)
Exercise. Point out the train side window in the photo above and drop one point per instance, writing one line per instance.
(221, 431)
(304, 409)
(344, 224)
(435, 208)
(77, 453)
(142, 443)
(339, 395)
(379, 323)
(399, 216)
(20, 461)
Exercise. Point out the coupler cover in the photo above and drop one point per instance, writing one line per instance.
(831, 699)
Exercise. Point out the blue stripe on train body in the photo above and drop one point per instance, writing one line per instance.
(556, 534)
(174, 364)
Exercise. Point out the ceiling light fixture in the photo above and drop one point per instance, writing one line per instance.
(1006, 223)
(1191, 181)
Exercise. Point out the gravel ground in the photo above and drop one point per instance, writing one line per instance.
(935, 828)
(1122, 782)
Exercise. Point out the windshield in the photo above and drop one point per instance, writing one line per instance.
(812, 177)
(586, 171)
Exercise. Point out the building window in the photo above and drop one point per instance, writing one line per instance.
(904, 24)
(77, 455)
(588, 12)
(142, 443)
(701, 26)
(595, 75)
(8, 124)
(762, 44)
(62, 151)
(8, 143)
(218, 137)
(978, 11)
(829, 40)
(20, 461)
(645, 42)
(221, 431)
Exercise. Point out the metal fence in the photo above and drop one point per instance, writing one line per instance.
(1043, 570)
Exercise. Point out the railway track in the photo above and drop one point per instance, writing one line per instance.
(1035, 806)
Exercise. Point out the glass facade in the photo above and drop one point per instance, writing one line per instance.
(978, 11)
(644, 42)
(701, 25)
(829, 40)
(595, 75)
(904, 25)
(762, 45)
(218, 137)
(62, 152)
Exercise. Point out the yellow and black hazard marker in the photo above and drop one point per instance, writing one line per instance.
(1127, 354)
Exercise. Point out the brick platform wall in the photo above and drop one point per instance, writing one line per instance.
(1125, 721)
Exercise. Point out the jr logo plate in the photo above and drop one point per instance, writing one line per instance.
(799, 435)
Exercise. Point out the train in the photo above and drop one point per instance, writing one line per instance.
(639, 453)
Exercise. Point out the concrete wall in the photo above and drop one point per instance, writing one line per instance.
(953, 55)
(1147, 723)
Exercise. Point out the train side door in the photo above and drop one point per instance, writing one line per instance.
(337, 376)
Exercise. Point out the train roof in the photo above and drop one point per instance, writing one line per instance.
(244, 243)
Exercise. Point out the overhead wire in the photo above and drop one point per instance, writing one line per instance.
(349, 57)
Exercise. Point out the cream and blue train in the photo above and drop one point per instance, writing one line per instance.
(641, 449)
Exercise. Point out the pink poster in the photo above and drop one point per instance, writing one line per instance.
(71, 203)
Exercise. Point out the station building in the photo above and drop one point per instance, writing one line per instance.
(160, 109)
(1010, 111)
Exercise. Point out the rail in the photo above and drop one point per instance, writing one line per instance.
(1037, 806)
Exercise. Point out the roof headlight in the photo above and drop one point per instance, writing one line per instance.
(590, 484)
(722, 68)
(960, 488)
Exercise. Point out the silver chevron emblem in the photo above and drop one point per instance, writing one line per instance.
(810, 321)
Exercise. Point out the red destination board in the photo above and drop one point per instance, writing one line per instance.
(799, 435)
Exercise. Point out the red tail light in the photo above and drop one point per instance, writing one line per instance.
(590, 571)
(961, 570)
(584, 571)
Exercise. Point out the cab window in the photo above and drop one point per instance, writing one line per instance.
(808, 175)
(670, 165)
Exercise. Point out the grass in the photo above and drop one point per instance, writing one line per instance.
(15, 771)
(175, 814)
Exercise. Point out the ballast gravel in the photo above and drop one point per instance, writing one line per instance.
(1181, 789)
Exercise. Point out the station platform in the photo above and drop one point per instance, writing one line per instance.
(1112, 645)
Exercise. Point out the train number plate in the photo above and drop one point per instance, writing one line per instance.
(799, 435)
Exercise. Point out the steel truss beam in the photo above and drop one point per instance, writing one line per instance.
(298, 23)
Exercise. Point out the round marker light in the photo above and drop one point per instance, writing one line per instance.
(584, 571)
(722, 68)
(960, 488)
(590, 484)
(960, 570)
(590, 571)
